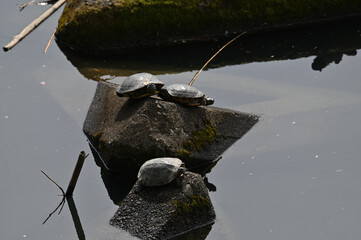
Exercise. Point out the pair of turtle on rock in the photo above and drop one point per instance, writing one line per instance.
(142, 85)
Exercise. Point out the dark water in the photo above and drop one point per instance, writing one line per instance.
(295, 175)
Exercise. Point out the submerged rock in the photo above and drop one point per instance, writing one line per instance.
(125, 133)
(110, 26)
(167, 211)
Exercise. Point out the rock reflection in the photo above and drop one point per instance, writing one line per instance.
(324, 59)
(326, 41)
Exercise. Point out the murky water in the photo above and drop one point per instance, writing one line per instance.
(295, 175)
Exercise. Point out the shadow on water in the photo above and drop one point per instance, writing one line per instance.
(328, 42)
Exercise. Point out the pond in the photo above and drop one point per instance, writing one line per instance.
(295, 175)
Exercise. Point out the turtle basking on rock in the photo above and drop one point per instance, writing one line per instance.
(139, 85)
(158, 172)
(184, 94)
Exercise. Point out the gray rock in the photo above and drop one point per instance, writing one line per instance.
(167, 211)
(127, 132)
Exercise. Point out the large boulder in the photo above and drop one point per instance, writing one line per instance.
(167, 211)
(125, 133)
(110, 26)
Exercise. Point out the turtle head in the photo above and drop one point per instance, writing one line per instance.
(151, 89)
(207, 101)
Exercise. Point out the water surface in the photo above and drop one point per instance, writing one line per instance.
(295, 175)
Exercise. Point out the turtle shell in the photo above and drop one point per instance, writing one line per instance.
(160, 171)
(183, 91)
(184, 94)
(138, 82)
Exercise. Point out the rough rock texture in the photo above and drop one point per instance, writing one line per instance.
(108, 26)
(128, 132)
(166, 211)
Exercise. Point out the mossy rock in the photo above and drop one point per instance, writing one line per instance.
(126, 132)
(167, 211)
(101, 27)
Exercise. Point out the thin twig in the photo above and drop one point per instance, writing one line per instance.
(71, 186)
(200, 70)
(61, 189)
(51, 38)
(21, 7)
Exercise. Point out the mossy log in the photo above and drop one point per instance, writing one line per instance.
(100, 27)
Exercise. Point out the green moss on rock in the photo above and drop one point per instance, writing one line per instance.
(196, 205)
(199, 139)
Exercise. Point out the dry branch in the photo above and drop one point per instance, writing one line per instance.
(51, 38)
(74, 177)
(225, 45)
(33, 25)
(21, 7)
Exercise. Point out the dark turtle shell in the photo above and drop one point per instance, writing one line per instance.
(139, 85)
(160, 171)
(184, 94)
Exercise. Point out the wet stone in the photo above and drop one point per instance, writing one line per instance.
(125, 133)
(166, 211)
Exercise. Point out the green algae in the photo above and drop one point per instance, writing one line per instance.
(197, 204)
(120, 24)
(199, 140)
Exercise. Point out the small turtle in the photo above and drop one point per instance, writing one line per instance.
(184, 94)
(158, 172)
(139, 85)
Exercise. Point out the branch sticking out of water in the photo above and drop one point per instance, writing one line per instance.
(75, 176)
(51, 38)
(200, 70)
(21, 7)
(69, 192)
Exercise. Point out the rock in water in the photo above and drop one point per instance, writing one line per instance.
(111, 26)
(127, 132)
(166, 211)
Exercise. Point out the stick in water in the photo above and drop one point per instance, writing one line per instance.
(200, 70)
(51, 38)
(25, 5)
(33, 25)
(74, 177)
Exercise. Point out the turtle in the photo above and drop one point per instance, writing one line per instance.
(139, 85)
(184, 94)
(158, 172)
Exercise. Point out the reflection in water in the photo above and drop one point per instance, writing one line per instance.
(324, 59)
(324, 41)
(196, 234)
(76, 219)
